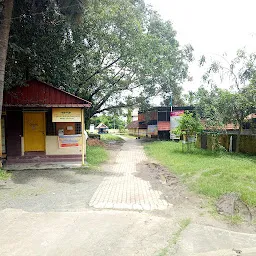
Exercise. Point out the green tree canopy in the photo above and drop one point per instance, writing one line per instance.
(189, 125)
(120, 54)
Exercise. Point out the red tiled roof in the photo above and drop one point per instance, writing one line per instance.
(101, 126)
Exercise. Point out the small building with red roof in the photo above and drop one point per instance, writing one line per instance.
(42, 123)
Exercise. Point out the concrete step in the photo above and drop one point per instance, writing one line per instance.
(42, 159)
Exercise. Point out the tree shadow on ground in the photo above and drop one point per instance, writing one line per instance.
(58, 176)
(72, 176)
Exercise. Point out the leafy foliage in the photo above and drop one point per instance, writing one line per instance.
(112, 122)
(189, 125)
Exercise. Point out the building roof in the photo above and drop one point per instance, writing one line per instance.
(168, 108)
(40, 94)
(101, 126)
(133, 125)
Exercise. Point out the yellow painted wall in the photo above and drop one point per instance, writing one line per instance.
(52, 147)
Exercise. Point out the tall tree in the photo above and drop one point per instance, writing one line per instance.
(6, 7)
(70, 8)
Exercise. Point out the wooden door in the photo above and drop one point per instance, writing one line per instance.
(34, 131)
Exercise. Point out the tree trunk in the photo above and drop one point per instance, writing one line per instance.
(238, 138)
(5, 23)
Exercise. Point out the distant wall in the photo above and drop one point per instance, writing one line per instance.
(247, 142)
(138, 132)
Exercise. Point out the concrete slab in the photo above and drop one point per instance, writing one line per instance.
(90, 232)
(199, 240)
(42, 166)
(244, 252)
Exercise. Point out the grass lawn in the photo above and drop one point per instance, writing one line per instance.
(110, 137)
(209, 173)
(95, 155)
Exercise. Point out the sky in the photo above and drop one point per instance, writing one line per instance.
(211, 27)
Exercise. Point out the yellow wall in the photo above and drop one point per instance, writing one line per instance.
(52, 147)
(247, 142)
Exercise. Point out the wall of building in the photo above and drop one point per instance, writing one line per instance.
(138, 132)
(247, 142)
(52, 147)
(14, 131)
(133, 131)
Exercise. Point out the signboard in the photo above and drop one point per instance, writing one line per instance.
(152, 130)
(66, 115)
(91, 128)
(67, 141)
(175, 116)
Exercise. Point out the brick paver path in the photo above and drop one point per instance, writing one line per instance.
(122, 189)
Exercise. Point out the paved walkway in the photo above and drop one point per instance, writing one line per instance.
(122, 189)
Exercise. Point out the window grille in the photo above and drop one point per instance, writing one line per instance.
(78, 128)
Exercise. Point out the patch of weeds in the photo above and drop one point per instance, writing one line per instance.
(96, 155)
(234, 220)
(110, 137)
(175, 237)
(4, 175)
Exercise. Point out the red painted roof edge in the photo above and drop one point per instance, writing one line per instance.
(80, 105)
(72, 95)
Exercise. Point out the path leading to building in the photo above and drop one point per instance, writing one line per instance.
(123, 189)
(124, 210)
